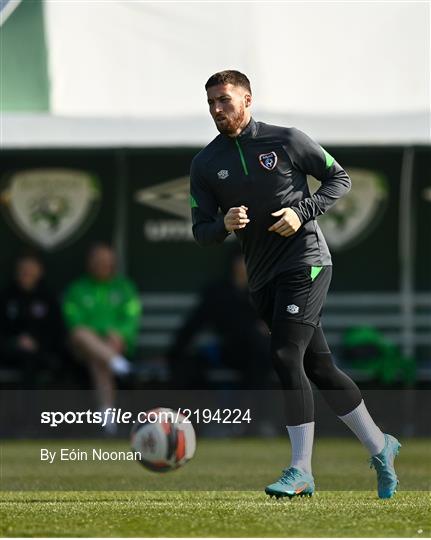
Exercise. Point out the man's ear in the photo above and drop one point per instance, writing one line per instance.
(248, 100)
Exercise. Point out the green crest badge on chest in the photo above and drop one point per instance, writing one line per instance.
(268, 161)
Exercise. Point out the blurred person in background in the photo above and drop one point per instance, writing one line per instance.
(224, 307)
(31, 325)
(102, 311)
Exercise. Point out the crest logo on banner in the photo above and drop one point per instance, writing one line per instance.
(50, 206)
(356, 214)
(268, 161)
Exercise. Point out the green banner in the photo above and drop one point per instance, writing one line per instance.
(24, 83)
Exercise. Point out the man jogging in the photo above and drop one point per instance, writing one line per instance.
(251, 180)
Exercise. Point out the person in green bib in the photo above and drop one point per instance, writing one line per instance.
(102, 311)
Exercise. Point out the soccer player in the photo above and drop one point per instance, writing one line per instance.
(251, 180)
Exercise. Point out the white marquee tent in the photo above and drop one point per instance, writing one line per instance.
(132, 73)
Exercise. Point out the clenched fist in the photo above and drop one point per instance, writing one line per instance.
(288, 223)
(236, 218)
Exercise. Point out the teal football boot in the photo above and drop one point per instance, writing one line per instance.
(387, 480)
(292, 483)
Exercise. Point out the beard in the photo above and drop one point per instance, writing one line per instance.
(231, 123)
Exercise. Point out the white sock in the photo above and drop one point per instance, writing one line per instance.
(301, 440)
(120, 365)
(110, 428)
(360, 422)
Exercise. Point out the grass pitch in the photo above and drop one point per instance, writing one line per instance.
(219, 493)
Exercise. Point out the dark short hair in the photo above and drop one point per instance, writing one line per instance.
(229, 76)
(29, 254)
(99, 245)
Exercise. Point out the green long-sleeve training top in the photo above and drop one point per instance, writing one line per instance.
(104, 306)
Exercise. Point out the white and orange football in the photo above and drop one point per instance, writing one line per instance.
(163, 439)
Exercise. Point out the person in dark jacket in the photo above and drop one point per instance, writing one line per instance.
(251, 180)
(224, 308)
(31, 325)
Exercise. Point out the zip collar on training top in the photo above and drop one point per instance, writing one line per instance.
(249, 131)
